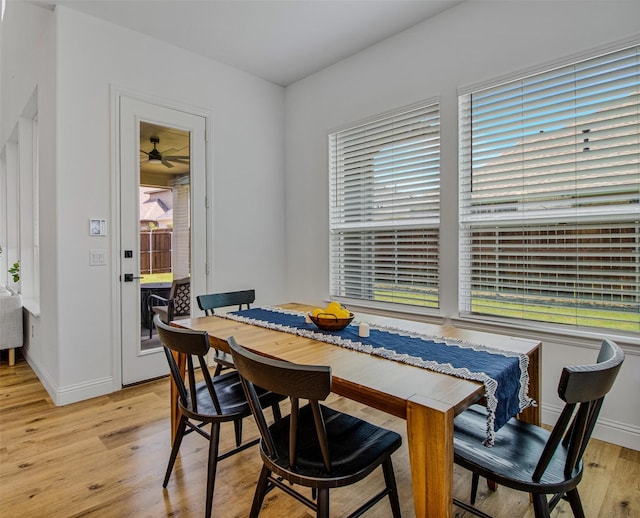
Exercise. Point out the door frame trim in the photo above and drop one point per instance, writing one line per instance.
(116, 94)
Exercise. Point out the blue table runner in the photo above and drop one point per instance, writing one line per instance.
(504, 375)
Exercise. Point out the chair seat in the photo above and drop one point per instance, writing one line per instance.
(231, 398)
(355, 447)
(514, 456)
(163, 311)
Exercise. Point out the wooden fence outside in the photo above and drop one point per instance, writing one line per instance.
(155, 251)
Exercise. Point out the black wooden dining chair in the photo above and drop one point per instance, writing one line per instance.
(529, 458)
(176, 307)
(212, 301)
(315, 446)
(211, 401)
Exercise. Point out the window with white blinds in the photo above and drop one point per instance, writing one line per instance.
(385, 208)
(549, 196)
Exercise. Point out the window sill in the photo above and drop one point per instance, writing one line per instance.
(549, 333)
(32, 306)
(524, 329)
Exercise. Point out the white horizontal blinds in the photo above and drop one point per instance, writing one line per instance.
(581, 274)
(550, 190)
(385, 208)
(531, 137)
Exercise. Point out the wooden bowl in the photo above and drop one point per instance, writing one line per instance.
(329, 322)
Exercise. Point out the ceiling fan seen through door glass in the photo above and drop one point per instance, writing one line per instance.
(156, 157)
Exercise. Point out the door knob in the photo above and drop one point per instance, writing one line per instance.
(128, 277)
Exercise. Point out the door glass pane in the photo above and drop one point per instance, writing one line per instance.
(165, 219)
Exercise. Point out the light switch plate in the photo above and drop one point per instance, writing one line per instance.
(97, 257)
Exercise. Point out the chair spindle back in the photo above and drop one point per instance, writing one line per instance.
(177, 341)
(208, 303)
(307, 382)
(583, 389)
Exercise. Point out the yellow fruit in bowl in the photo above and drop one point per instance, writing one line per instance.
(343, 313)
(334, 317)
(333, 308)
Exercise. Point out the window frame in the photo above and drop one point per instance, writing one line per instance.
(467, 222)
(374, 228)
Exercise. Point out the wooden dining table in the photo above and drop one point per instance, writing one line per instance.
(427, 400)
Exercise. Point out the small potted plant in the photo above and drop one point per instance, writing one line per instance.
(15, 271)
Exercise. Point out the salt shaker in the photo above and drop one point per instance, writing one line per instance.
(363, 330)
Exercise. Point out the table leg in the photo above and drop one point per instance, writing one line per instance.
(430, 437)
(533, 414)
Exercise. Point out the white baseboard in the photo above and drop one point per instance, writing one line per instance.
(82, 391)
(42, 374)
(72, 393)
(615, 432)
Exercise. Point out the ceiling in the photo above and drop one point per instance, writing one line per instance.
(281, 41)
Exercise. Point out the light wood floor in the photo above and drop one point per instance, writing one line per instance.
(106, 457)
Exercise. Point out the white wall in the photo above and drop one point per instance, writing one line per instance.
(22, 34)
(28, 66)
(245, 175)
(470, 43)
(246, 172)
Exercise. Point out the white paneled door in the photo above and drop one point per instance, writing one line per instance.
(162, 221)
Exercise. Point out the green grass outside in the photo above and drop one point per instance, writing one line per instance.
(426, 300)
(156, 277)
(618, 320)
